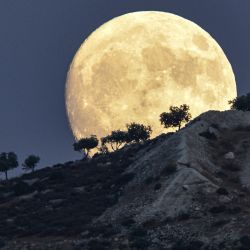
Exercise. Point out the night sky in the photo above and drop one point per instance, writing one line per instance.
(38, 42)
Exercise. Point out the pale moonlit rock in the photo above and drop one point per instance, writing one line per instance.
(229, 156)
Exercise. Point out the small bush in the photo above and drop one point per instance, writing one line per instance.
(125, 178)
(221, 174)
(140, 243)
(22, 188)
(227, 146)
(218, 209)
(149, 180)
(127, 222)
(175, 117)
(215, 125)
(235, 179)
(231, 166)
(192, 245)
(157, 186)
(220, 223)
(183, 216)
(245, 240)
(98, 244)
(56, 176)
(234, 210)
(138, 232)
(150, 224)
(241, 103)
(222, 191)
(169, 169)
(208, 135)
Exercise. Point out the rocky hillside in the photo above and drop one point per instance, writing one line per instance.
(184, 190)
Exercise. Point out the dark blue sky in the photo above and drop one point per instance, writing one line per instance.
(40, 38)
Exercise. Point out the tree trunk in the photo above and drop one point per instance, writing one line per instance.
(112, 146)
(6, 175)
(87, 154)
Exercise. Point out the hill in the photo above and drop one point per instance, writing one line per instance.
(184, 190)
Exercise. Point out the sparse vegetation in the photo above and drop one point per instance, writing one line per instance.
(31, 162)
(157, 186)
(231, 166)
(222, 191)
(169, 169)
(208, 135)
(241, 103)
(86, 144)
(138, 132)
(176, 116)
(8, 161)
(128, 222)
(149, 180)
(116, 139)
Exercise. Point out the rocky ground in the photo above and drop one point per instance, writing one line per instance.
(184, 190)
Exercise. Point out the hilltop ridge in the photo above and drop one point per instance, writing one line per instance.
(183, 190)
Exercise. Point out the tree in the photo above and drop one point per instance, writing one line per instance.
(86, 144)
(31, 162)
(176, 116)
(241, 103)
(138, 132)
(8, 161)
(116, 139)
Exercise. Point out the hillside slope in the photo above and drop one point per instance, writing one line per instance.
(184, 190)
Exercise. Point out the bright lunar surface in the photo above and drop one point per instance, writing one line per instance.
(135, 66)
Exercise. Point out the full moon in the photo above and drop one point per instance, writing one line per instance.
(136, 66)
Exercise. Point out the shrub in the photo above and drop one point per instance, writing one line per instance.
(56, 175)
(218, 209)
(245, 240)
(215, 125)
(22, 188)
(138, 132)
(125, 178)
(169, 169)
(208, 135)
(222, 191)
(220, 223)
(140, 243)
(183, 216)
(149, 180)
(241, 103)
(116, 139)
(128, 222)
(31, 162)
(98, 244)
(231, 165)
(157, 186)
(176, 117)
(86, 144)
(150, 224)
(138, 232)
(8, 161)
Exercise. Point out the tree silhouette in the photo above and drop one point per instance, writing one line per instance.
(31, 162)
(86, 144)
(138, 132)
(241, 103)
(176, 116)
(8, 161)
(116, 139)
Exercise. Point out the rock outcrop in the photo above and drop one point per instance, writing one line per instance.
(183, 190)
